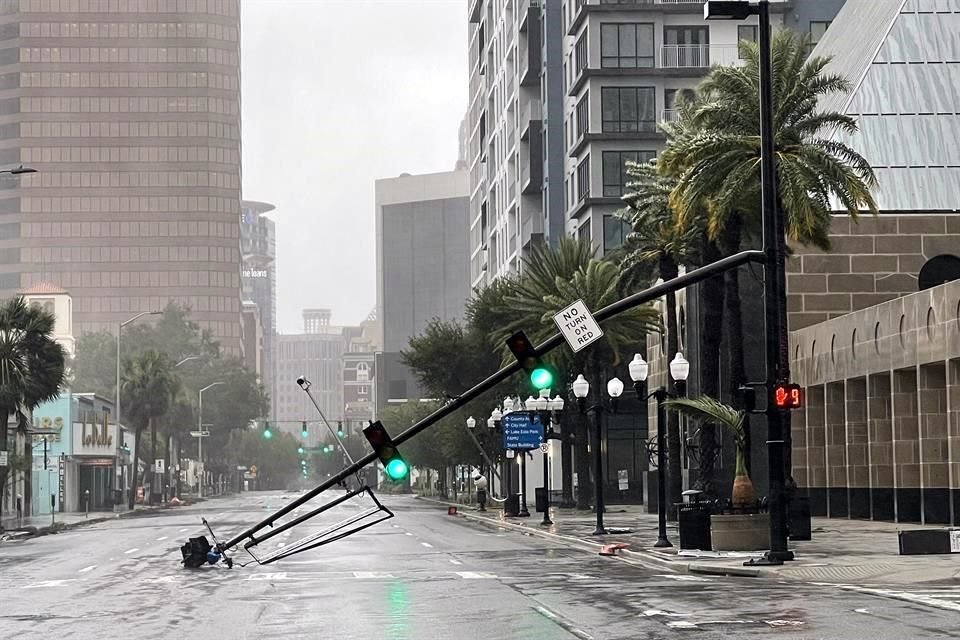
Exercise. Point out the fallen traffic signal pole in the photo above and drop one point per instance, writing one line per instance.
(252, 536)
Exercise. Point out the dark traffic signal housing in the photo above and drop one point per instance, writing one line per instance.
(393, 463)
(540, 375)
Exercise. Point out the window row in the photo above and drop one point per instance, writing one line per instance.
(134, 79)
(100, 279)
(133, 304)
(154, 204)
(216, 155)
(136, 179)
(114, 30)
(615, 177)
(219, 330)
(162, 229)
(131, 104)
(89, 255)
(139, 55)
(628, 109)
(129, 130)
(213, 7)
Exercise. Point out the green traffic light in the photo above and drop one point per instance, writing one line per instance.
(299, 449)
(396, 469)
(541, 378)
(303, 463)
(267, 434)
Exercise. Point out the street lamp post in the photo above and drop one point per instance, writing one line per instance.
(581, 388)
(200, 430)
(549, 411)
(133, 475)
(774, 248)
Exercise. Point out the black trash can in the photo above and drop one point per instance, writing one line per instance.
(693, 519)
(799, 526)
(541, 499)
(512, 506)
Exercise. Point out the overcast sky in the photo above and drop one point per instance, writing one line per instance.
(338, 93)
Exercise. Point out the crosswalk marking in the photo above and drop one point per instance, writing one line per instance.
(452, 561)
(947, 598)
(128, 551)
(90, 568)
(282, 575)
(48, 583)
(367, 575)
(476, 575)
(162, 538)
(427, 545)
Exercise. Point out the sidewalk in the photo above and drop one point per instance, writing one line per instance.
(841, 551)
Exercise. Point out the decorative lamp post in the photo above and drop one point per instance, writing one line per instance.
(581, 389)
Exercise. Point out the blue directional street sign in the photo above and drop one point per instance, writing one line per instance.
(521, 431)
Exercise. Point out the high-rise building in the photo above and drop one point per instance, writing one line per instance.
(258, 280)
(130, 112)
(422, 267)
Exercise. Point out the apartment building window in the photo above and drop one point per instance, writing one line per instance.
(615, 233)
(583, 179)
(583, 232)
(748, 32)
(583, 116)
(817, 29)
(628, 109)
(615, 176)
(686, 47)
(626, 46)
(580, 53)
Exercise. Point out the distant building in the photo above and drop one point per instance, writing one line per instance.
(359, 376)
(130, 112)
(258, 280)
(57, 301)
(422, 227)
(317, 355)
(252, 338)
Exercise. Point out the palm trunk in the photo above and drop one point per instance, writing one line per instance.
(732, 236)
(566, 461)
(582, 455)
(4, 434)
(668, 270)
(137, 433)
(711, 298)
(153, 456)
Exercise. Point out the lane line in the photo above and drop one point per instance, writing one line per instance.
(184, 529)
(90, 568)
(407, 533)
(452, 561)
(476, 575)
(562, 622)
(427, 545)
(161, 538)
(131, 550)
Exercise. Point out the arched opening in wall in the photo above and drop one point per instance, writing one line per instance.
(931, 324)
(833, 349)
(797, 353)
(682, 324)
(853, 345)
(876, 337)
(938, 270)
(903, 320)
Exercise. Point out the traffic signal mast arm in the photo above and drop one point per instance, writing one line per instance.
(630, 302)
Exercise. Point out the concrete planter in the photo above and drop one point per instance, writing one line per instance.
(740, 532)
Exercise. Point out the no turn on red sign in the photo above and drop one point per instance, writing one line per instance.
(577, 325)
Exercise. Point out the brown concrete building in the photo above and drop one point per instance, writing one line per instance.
(130, 112)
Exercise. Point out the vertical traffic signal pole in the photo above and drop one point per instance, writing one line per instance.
(774, 296)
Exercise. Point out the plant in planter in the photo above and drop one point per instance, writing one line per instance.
(707, 409)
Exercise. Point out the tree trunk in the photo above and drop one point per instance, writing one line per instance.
(137, 432)
(4, 434)
(711, 298)
(153, 456)
(731, 240)
(668, 270)
(566, 461)
(597, 390)
(582, 455)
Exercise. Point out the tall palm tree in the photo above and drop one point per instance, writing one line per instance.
(658, 242)
(32, 365)
(715, 152)
(148, 386)
(552, 278)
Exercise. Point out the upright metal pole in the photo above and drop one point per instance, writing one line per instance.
(524, 512)
(662, 541)
(598, 471)
(200, 442)
(546, 480)
(774, 291)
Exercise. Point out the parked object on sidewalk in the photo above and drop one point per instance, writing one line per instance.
(452, 510)
(693, 519)
(740, 532)
(929, 541)
(799, 524)
(512, 506)
(612, 549)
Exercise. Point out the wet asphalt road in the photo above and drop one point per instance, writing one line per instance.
(422, 574)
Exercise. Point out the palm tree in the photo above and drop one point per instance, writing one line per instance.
(706, 410)
(658, 243)
(148, 386)
(715, 151)
(552, 278)
(32, 365)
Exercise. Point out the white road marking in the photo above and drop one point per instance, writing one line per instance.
(131, 550)
(427, 545)
(476, 575)
(162, 538)
(162, 580)
(683, 578)
(407, 533)
(48, 583)
(184, 529)
(90, 568)
(452, 561)
(268, 576)
(367, 575)
(657, 612)
(550, 615)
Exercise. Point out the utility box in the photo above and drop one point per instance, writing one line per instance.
(541, 499)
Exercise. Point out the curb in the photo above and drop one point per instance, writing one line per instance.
(641, 558)
(719, 570)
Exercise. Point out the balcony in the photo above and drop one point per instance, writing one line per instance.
(661, 6)
(531, 54)
(698, 56)
(529, 14)
(669, 115)
(530, 118)
(531, 163)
